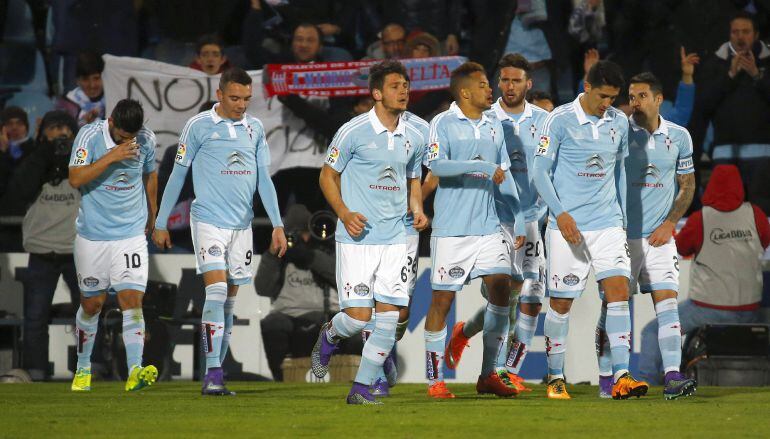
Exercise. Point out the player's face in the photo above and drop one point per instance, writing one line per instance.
(394, 95)
(742, 34)
(119, 135)
(645, 105)
(545, 104)
(305, 44)
(234, 100)
(598, 99)
(91, 85)
(513, 85)
(211, 58)
(478, 91)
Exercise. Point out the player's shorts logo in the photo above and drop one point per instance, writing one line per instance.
(90, 282)
(334, 154)
(555, 279)
(80, 156)
(456, 272)
(542, 146)
(215, 251)
(433, 151)
(361, 289)
(181, 152)
(571, 280)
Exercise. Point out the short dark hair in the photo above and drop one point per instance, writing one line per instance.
(128, 115)
(515, 60)
(461, 73)
(379, 71)
(236, 75)
(743, 15)
(307, 24)
(88, 63)
(209, 39)
(539, 95)
(605, 73)
(649, 79)
(14, 112)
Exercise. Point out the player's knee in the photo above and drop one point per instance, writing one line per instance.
(360, 314)
(91, 307)
(441, 302)
(562, 306)
(530, 309)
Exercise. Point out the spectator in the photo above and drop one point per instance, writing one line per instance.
(586, 24)
(734, 96)
(542, 99)
(441, 18)
(299, 286)
(391, 45)
(727, 238)
(40, 188)
(15, 142)
(425, 103)
(86, 102)
(210, 58)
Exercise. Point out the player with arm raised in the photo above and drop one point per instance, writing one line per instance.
(230, 158)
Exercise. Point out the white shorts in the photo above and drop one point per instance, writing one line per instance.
(111, 265)
(412, 246)
(223, 249)
(368, 273)
(654, 268)
(528, 263)
(458, 259)
(606, 251)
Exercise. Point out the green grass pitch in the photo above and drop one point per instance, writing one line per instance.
(274, 410)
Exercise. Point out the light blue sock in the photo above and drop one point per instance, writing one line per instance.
(619, 333)
(133, 336)
(556, 329)
(213, 323)
(229, 311)
(377, 347)
(495, 331)
(365, 334)
(434, 355)
(603, 345)
(475, 324)
(669, 334)
(343, 326)
(526, 326)
(86, 327)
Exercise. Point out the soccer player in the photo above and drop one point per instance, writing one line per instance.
(228, 152)
(579, 173)
(521, 123)
(371, 162)
(113, 166)
(661, 183)
(467, 153)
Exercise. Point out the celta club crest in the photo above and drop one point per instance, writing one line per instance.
(492, 130)
(612, 134)
(532, 130)
(668, 143)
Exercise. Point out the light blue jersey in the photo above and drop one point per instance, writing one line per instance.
(651, 167)
(465, 204)
(585, 155)
(226, 157)
(375, 164)
(424, 128)
(113, 205)
(521, 139)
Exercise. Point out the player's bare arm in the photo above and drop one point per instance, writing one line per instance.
(415, 205)
(151, 191)
(684, 197)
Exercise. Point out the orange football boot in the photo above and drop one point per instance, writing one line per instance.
(457, 343)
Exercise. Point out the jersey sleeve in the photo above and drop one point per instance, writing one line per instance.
(149, 142)
(623, 146)
(189, 143)
(684, 164)
(82, 151)
(414, 165)
(438, 144)
(550, 138)
(499, 137)
(263, 149)
(340, 150)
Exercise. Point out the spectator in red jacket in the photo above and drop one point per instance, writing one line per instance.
(727, 238)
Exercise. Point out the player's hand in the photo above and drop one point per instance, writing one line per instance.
(278, 243)
(518, 242)
(568, 228)
(499, 176)
(161, 238)
(662, 234)
(590, 58)
(355, 222)
(421, 221)
(127, 150)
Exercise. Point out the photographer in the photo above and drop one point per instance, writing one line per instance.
(297, 285)
(39, 188)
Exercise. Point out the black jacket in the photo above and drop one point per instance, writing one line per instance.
(437, 17)
(738, 107)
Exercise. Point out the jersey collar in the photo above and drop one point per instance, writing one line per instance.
(108, 142)
(662, 126)
(217, 118)
(379, 128)
(460, 115)
(503, 115)
(581, 115)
